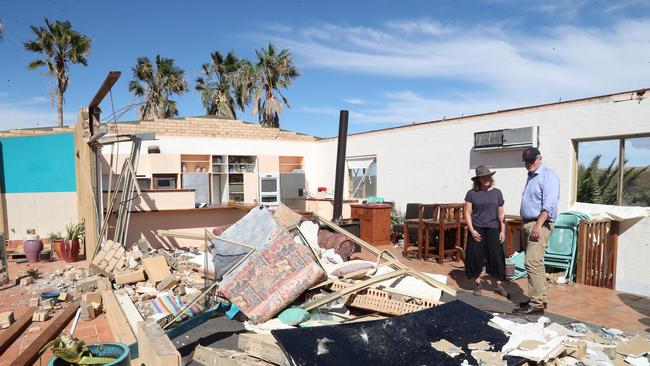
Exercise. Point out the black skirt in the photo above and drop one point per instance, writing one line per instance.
(488, 252)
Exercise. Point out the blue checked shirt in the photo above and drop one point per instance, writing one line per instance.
(542, 193)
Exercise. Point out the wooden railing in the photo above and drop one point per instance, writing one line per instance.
(596, 256)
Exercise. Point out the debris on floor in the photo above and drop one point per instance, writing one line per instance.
(303, 298)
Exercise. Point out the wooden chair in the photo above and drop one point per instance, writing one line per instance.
(426, 212)
(449, 221)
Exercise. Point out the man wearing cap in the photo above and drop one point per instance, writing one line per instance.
(538, 212)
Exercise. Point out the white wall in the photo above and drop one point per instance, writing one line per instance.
(47, 212)
(433, 163)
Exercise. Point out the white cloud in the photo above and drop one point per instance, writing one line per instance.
(623, 4)
(26, 114)
(355, 101)
(498, 67)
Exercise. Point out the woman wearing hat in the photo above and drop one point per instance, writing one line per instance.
(485, 218)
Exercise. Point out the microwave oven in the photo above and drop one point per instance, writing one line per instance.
(269, 189)
(165, 183)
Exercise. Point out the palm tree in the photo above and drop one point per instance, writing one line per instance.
(600, 186)
(155, 85)
(274, 71)
(221, 85)
(60, 46)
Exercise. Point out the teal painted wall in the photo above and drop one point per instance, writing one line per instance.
(37, 164)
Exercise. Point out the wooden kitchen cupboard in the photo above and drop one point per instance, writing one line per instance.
(374, 222)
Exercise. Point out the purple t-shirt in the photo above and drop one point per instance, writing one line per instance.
(485, 207)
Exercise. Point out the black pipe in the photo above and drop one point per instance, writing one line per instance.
(340, 166)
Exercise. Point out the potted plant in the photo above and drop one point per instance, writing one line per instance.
(32, 245)
(69, 350)
(70, 245)
(55, 240)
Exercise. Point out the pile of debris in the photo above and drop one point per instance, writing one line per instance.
(551, 343)
(284, 277)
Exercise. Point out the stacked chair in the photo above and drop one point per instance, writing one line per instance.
(562, 246)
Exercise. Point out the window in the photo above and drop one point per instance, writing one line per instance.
(363, 177)
(599, 167)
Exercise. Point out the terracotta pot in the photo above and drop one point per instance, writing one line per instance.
(56, 245)
(70, 250)
(33, 247)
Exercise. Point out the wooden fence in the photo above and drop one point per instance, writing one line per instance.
(596, 256)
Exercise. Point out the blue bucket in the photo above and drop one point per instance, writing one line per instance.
(119, 351)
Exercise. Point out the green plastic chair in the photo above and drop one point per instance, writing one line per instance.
(563, 242)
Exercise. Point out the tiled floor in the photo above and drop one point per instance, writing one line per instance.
(627, 312)
(16, 299)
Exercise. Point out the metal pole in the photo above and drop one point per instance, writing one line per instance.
(340, 166)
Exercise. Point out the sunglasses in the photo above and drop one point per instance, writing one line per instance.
(529, 161)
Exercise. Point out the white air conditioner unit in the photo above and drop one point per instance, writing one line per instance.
(509, 138)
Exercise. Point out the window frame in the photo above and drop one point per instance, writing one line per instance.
(351, 188)
(621, 162)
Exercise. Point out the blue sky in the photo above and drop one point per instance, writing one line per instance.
(388, 62)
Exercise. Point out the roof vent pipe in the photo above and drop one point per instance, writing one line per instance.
(340, 166)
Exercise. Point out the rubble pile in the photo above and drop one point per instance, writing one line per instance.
(276, 270)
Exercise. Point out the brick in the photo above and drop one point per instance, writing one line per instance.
(156, 268)
(35, 301)
(129, 277)
(64, 296)
(87, 284)
(91, 297)
(47, 304)
(6, 319)
(40, 315)
(167, 283)
(87, 311)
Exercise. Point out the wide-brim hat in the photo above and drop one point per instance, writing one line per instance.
(482, 171)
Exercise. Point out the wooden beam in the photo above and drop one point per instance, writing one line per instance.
(108, 83)
(52, 331)
(131, 313)
(395, 263)
(354, 288)
(116, 319)
(15, 330)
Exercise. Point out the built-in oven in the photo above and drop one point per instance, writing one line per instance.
(164, 182)
(269, 189)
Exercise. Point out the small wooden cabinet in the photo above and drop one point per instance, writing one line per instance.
(375, 222)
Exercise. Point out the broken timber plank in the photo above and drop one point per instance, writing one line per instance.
(156, 349)
(431, 282)
(129, 310)
(120, 327)
(356, 287)
(15, 330)
(30, 355)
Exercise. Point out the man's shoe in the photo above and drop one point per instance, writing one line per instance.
(502, 291)
(477, 290)
(527, 302)
(528, 310)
